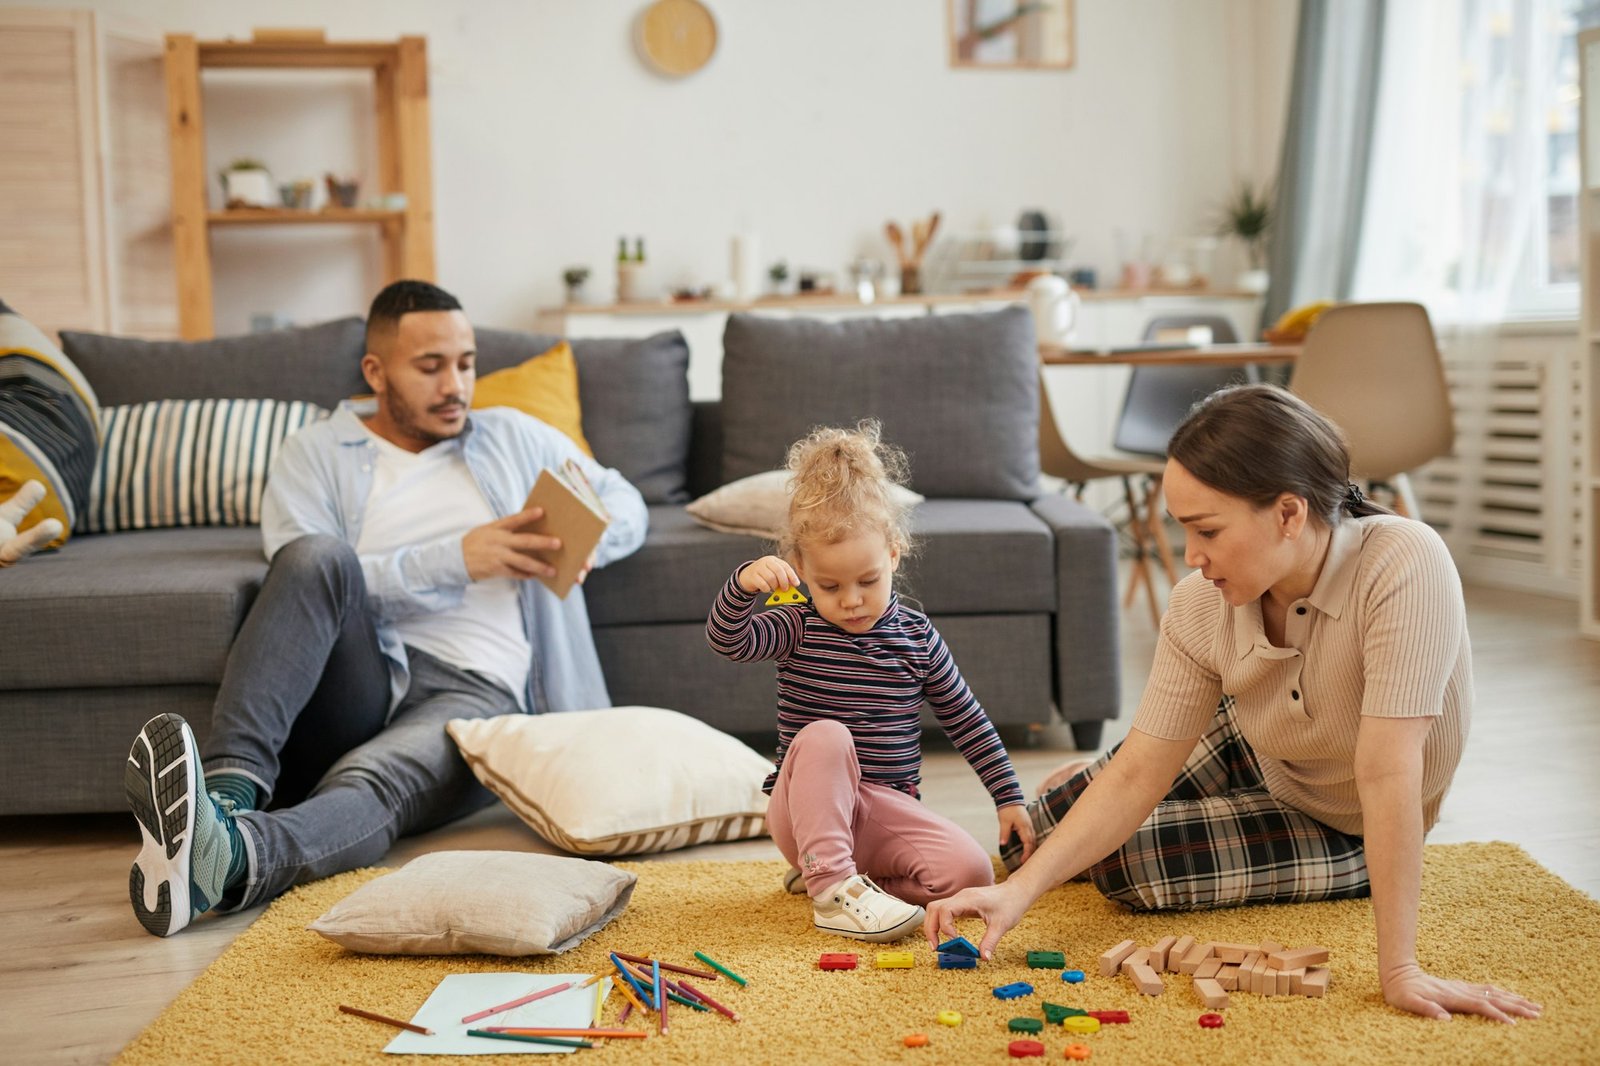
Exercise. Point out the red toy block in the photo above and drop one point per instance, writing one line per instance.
(1022, 1049)
(837, 960)
(1110, 1017)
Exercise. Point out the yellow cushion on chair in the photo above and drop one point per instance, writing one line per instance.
(545, 387)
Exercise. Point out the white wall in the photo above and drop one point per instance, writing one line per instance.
(813, 124)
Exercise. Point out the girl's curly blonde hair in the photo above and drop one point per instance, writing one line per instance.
(841, 483)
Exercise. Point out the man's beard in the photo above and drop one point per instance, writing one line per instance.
(405, 419)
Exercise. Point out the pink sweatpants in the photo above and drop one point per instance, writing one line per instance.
(831, 824)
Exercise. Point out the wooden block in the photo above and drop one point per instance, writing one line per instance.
(1283, 983)
(1315, 982)
(1265, 985)
(1178, 950)
(1295, 977)
(1295, 958)
(1208, 968)
(1234, 953)
(1114, 956)
(1213, 995)
(1136, 957)
(1195, 956)
(1268, 947)
(1228, 978)
(1147, 981)
(1158, 954)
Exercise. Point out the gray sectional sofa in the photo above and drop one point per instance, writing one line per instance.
(117, 627)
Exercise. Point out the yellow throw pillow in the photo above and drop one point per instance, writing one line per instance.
(545, 387)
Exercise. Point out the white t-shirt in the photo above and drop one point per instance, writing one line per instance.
(422, 496)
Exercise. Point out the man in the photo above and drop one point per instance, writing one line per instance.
(398, 597)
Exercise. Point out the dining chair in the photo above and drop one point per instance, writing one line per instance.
(1374, 369)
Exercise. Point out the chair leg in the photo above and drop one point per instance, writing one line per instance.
(1405, 501)
(1137, 525)
(1158, 528)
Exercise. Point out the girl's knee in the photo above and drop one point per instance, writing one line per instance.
(824, 733)
(969, 868)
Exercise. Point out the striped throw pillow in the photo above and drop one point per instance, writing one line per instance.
(188, 462)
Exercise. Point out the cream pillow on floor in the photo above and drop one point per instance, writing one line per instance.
(618, 781)
(758, 505)
(467, 902)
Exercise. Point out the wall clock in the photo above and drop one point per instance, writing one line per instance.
(676, 37)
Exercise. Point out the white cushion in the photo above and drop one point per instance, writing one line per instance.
(467, 902)
(618, 781)
(758, 505)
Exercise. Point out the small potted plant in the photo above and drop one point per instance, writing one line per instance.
(248, 183)
(1248, 216)
(778, 275)
(575, 276)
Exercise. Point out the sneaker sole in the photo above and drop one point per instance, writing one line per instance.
(160, 780)
(881, 936)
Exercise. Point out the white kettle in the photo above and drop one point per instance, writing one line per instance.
(1055, 309)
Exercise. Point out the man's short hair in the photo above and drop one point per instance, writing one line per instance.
(400, 298)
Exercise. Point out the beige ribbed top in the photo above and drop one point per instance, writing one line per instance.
(1383, 633)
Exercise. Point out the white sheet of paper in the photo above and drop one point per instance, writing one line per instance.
(461, 994)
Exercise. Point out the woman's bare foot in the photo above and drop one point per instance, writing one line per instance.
(1060, 776)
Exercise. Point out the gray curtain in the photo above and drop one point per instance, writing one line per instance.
(1327, 142)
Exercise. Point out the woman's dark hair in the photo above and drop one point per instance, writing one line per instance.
(1257, 442)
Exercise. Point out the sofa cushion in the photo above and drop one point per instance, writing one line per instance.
(319, 364)
(971, 557)
(157, 607)
(959, 393)
(545, 387)
(635, 399)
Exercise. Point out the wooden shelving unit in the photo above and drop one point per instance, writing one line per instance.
(400, 70)
(1589, 365)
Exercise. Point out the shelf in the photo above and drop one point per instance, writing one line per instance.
(274, 216)
(301, 54)
(846, 300)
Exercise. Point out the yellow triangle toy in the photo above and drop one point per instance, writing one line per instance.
(788, 595)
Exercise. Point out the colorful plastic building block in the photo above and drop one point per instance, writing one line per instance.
(1077, 1052)
(1046, 960)
(948, 1017)
(1109, 1017)
(1073, 977)
(788, 595)
(894, 960)
(1025, 1025)
(1211, 1021)
(1013, 990)
(916, 1040)
(837, 960)
(1081, 1023)
(1022, 1049)
(959, 945)
(951, 961)
(1054, 1013)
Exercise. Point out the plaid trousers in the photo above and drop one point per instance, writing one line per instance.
(1219, 839)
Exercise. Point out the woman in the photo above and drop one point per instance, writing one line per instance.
(1306, 710)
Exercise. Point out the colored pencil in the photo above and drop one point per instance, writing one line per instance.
(599, 1002)
(553, 1040)
(717, 966)
(661, 998)
(707, 974)
(627, 1009)
(396, 1022)
(562, 987)
(633, 982)
(647, 988)
(630, 989)
(713, 1004)
(534, 1030)
(587, 981)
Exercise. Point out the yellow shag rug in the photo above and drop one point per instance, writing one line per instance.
(1489, 913)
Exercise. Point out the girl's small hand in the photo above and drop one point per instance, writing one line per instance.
(1015, 819)
(768, 574)
(1413, 990)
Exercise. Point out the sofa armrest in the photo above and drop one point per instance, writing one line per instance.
(1087, 653)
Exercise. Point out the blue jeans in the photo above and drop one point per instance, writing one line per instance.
(303, 711)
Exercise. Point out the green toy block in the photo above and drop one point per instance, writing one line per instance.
(1054, 1012)
(1025, 1025)
(1046, 960)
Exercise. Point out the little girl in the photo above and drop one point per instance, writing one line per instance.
(854, 667)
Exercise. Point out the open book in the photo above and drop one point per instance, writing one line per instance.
(573, 512)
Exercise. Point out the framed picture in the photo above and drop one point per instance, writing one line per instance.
(1011, 34)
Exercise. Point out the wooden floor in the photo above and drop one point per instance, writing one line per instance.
(79, 977)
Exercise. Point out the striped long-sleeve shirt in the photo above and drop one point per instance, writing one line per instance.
(873, 683)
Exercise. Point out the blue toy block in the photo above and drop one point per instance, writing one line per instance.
(1072, 976)
(951, 961)
(1013, 990)
(959, 945)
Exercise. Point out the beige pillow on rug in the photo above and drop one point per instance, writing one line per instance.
(618, 781)
(470, 902)
(758, 505)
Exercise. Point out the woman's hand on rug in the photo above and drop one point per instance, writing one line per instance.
(1014, 819)
(1413, 990)
(1000, 906)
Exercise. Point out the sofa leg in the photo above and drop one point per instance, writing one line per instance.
(1086, 735)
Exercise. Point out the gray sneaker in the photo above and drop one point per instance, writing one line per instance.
(794, 882)
(182, 866)
(857, 908)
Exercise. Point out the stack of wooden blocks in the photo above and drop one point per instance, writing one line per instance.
(1267, 969)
